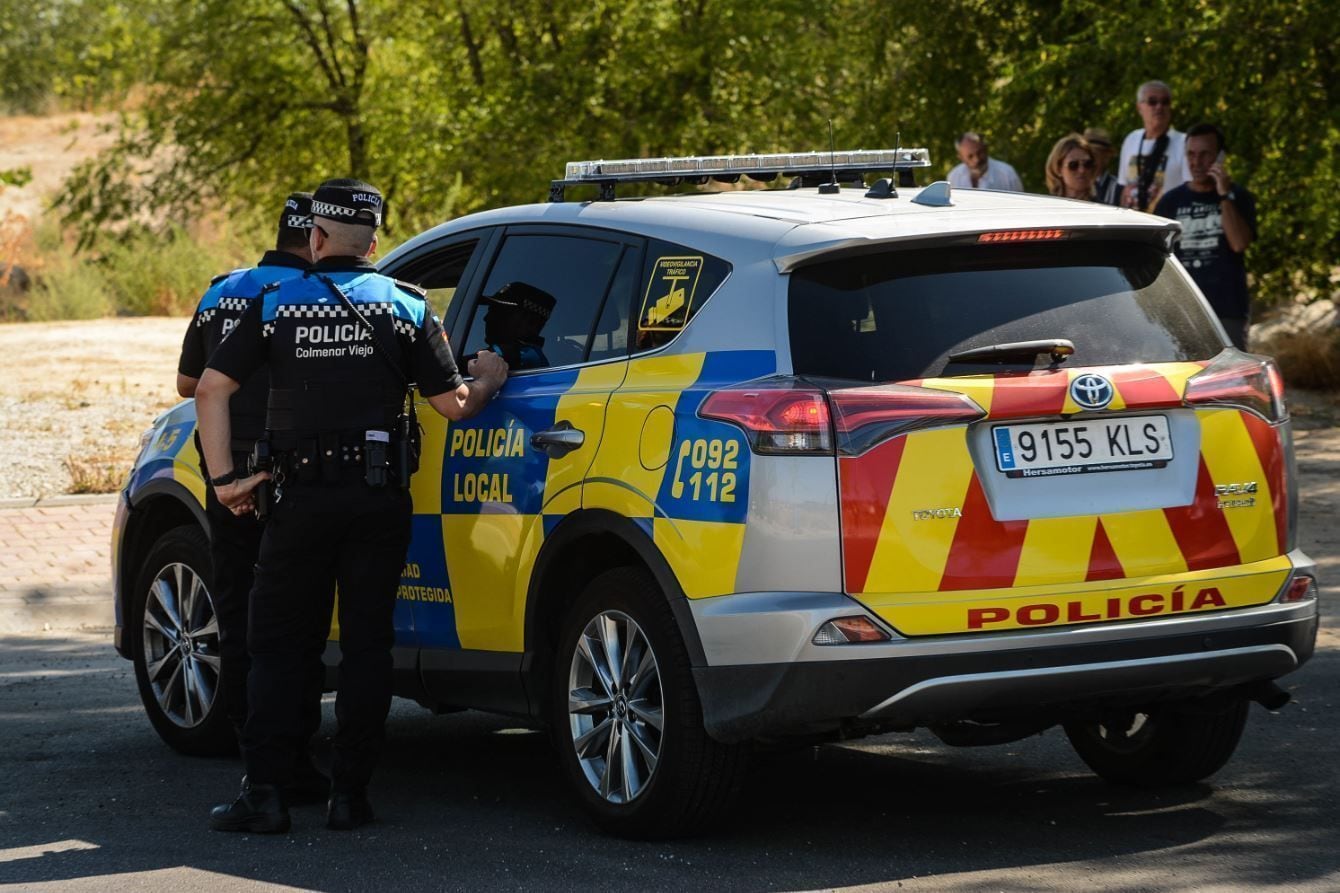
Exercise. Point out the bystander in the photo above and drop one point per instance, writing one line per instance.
(1218, 220)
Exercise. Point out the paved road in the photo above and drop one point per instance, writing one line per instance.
(90, 800)
(55, 562)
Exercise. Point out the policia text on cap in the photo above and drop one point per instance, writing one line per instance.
(341, 507)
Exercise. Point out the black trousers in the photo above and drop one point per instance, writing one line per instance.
(317, 537)
(234, 544)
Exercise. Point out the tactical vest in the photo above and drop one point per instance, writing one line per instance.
(325, 376)
(222, 305)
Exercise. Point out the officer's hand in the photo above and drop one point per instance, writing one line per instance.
(240, 496)
(489, 366)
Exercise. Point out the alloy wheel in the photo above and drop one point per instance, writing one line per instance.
(181, 645)
(615, 706)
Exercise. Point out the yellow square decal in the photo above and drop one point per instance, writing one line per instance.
(670, 290)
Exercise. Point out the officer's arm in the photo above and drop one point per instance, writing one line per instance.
(466, 400)
(240, 354)
(194, 355)
(211, 412)
(440, 380)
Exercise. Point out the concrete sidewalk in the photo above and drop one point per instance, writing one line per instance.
(55, 564)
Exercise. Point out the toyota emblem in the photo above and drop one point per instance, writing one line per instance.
(1092, 391)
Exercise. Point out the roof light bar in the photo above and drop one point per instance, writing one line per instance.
(606, 173)
(633, 169)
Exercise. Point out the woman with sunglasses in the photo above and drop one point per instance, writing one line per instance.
(1072, 169)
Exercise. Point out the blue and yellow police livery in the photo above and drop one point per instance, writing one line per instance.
(753, 486)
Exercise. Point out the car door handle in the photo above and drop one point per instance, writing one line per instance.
(558, 440)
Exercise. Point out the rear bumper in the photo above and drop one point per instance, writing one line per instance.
(912, 682)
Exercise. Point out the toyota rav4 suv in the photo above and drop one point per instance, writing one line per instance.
(807, 463)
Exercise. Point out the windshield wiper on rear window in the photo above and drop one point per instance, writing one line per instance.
(1057, 348)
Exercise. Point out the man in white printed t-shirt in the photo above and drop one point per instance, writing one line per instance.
(979, 170)
(1153, 157)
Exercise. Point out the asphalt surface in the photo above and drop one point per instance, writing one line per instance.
(91, 800)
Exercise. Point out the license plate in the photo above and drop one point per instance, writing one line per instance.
(1120, 443)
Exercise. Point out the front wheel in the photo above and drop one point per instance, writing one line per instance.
(176, 648)
(627, 718)
(1166, 744)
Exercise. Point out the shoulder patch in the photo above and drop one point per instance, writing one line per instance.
(416, 290)
(222, 276)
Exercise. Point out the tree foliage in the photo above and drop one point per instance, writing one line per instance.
(452, 106)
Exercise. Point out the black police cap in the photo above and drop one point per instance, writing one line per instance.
(524, 297)
(296, 218)
(348, 201)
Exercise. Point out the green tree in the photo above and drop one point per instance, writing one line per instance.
(456, 105)
(74, 52)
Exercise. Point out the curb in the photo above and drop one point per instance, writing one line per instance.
(28, 502)
(56, 613)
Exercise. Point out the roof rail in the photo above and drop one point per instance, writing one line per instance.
(606, 175)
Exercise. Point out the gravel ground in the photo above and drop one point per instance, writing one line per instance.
(74, 397)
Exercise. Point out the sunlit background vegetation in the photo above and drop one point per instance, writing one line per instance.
(452, 106)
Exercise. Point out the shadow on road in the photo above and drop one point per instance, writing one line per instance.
(469, 800)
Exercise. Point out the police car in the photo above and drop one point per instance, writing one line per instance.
(804, 463)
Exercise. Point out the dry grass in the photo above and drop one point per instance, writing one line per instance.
(100, 473)
(75, 396)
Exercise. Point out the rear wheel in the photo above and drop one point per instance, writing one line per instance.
(627, 719)
(176, 651)
(1166, 744)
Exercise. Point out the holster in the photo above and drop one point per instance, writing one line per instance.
(261, 460)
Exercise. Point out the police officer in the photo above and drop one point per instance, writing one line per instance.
(517, 312)
(341, 342)
(235, 540)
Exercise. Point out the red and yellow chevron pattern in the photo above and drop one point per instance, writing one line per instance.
(899, 566)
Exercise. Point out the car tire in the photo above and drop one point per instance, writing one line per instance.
(1169, 744)
(176, 646)
(634, 780)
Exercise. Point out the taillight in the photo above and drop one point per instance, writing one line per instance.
(1241, 381)
(849, 631)
(782, 416)
(866, 416)
(777, 418)
(1300, 587)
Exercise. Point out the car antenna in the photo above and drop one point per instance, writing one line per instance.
(883, 187)
(831, 187)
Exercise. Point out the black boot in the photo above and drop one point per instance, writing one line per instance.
(259, 809)
(307, 785)
(348, 810)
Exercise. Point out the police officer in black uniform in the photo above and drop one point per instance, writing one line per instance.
(517, 313)
(341, 342)
(235, 540)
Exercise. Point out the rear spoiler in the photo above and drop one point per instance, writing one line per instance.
(1163, 234)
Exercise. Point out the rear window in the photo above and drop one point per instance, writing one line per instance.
(899, 315)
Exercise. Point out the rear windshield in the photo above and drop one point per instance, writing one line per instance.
(899, 315)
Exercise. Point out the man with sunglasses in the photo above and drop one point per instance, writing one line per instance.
(343, 343)
(1153, 157)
